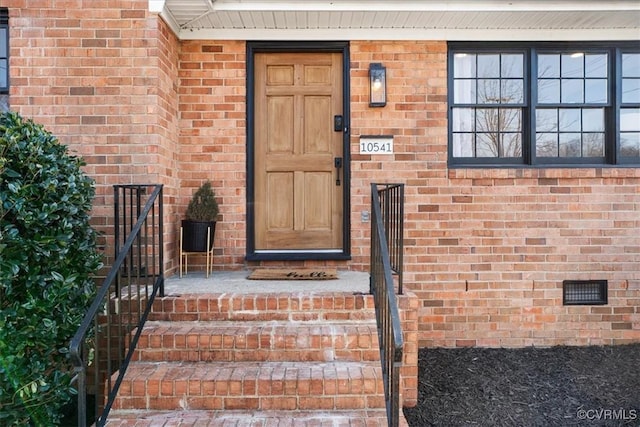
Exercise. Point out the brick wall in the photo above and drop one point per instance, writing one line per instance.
(102, 77)
(486, 249)
(213, 138)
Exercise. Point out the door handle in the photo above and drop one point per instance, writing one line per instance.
(337, 162)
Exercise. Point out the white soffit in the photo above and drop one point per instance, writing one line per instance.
(401, 20)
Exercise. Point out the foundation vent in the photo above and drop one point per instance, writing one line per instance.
(584, 292)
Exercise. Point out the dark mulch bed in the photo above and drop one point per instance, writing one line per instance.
(557, 386)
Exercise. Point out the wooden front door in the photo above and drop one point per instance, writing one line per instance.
(298, 197)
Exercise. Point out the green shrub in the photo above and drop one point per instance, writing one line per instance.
(47, 259)
(203, 205)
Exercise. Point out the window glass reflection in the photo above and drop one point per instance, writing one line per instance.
(486, 119)
(631, 65)
(464, 91)
(489, 66)
(487, 145)
(3, 42)
(629, 119)
(546, 120)
(463, 145)
(572, 91)
(593, 120)
(511, 144)
(631, 91)
(463, 120)
(510, 120)
(464, 65)
(630, 144)
(547, 145)
(512, 92)
(512, 66)
(548, 66)
(572, 65)
(593, 145)
(488, 91)
(548, 91)
(596, 65)
(3, 73)
(569, 145)
(595, 91)
(570, 120)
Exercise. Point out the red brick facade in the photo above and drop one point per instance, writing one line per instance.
(486, 249)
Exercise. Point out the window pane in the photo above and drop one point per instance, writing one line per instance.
(489, 91)
(548, 91)
(569, 145)
(547, 145)
(572, 91)
(463, 145)
(631, 65)
(631, 90)
(596, 65)
(464, 91)
(596, 91)
(572, 65)
(547, 120)
(593, 120)
(630, 119)
(487, 120)
(512, 92)
(464, 65)
(630, 144)
(549, 66)
(593, 145)
(3, 73)
(510, 120)
(487, 145)
(512, 66)
(511, 145)
(570, 120)
(463, 120)
(489, 66)
(3, 43)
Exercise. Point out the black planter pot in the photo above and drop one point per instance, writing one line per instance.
(194, 235)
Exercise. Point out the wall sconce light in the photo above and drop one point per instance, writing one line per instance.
(377, 85)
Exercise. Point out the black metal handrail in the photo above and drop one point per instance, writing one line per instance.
(392, 212)
(387, 230)
(105, 341)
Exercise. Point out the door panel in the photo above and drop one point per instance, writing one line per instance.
(298, 205)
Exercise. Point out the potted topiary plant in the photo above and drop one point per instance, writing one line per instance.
(200, 224)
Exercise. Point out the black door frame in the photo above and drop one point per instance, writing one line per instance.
(297, 47)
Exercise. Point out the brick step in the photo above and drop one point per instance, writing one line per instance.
(251, 385)
(264, 307)
(345, 418)
(258, 341)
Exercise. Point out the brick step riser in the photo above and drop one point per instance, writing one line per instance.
(369, 418)
(335, 316)
(278, 386)
(263, 403)
(264, 308)
(266, 344)
(255, 356)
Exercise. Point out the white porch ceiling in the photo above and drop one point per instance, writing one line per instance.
(401, 20)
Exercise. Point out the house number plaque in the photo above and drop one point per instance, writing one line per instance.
(376, 144)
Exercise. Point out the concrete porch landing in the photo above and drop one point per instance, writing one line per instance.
(236, 282)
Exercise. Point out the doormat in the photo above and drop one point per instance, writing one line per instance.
(294, 274)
